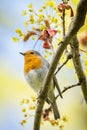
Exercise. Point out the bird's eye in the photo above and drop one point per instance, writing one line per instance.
(31, 52)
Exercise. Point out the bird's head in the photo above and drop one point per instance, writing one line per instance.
(32, 60)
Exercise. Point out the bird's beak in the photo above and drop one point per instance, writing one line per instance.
(21, 53)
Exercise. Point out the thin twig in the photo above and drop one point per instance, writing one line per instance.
(60, 67)
(67, 88)
(63, 22)
(83, 51)
(69, 56)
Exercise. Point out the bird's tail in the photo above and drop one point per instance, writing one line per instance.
(55, 110)
(52, 101)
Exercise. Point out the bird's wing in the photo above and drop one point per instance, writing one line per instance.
(45, 62)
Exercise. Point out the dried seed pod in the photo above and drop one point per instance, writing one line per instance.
(62, 6)
(28, 35)
(46, 45)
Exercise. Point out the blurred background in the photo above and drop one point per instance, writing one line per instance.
(13, 87)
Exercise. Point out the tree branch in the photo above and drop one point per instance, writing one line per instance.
(69, 56)
(63, 22)
(76, 25)
(67, 88)
(78, 66)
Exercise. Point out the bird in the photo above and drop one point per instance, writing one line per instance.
(35, 70)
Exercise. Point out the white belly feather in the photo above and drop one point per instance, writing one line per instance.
(36, 77)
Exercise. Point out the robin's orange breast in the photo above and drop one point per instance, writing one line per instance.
(32, 62)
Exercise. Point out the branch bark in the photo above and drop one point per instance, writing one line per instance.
(78, 66)
(69, 56)
(67, 88)
(78, 22)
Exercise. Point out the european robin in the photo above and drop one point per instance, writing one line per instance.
(35, 70)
